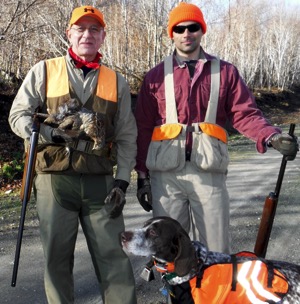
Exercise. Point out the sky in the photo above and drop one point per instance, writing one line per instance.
(292, 2)
(287, 2)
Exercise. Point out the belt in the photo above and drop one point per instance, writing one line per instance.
(86, 146)
(82, 146)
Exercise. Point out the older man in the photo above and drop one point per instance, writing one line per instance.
(182, 108)
(74, 181)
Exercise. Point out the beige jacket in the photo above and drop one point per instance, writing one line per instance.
(32, 95)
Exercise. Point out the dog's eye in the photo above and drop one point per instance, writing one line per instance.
(152, 232)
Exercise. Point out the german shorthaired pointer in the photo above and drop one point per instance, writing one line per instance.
(193, 274)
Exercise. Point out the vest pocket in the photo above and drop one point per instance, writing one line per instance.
(209, 153)
(57, 158)
(52, 158)
(91, 164)
(165, 155)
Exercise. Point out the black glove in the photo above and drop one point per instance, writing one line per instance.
(63, 136)
(286, 144)
(144, 194)
(116, 198)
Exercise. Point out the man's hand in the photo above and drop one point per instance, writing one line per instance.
(144, 194)
(63, 136)
(286, 144)
(116, 198)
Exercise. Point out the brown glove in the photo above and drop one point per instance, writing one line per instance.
(116, 198)
(144, 194)
(63, 136)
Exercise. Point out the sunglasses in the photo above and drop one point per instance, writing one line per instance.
(193, 28)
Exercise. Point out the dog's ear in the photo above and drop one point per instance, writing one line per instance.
(186, 257)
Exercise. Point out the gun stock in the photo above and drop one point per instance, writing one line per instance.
(28, 176)
(269, 211)
(266, 225)
(24, 186)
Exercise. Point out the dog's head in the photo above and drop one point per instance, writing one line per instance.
(166, 240)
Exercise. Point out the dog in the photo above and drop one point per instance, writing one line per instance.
(195, 275)
(72, 116)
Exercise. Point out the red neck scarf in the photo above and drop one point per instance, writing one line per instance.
(79, 63)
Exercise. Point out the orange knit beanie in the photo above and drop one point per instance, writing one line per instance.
(185, 12)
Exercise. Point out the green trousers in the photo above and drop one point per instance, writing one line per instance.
(62, 202)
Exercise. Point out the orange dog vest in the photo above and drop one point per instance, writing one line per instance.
(247, 282)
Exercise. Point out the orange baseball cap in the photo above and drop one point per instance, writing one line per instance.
(86, 11)
(185, 12)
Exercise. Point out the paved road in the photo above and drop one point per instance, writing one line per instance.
(250, 179)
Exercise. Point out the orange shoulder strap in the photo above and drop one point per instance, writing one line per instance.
(56, 68)
(107, 84)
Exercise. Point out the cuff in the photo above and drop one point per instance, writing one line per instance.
(45, 133)
(123, 185)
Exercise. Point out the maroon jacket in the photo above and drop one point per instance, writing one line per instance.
(236, 104)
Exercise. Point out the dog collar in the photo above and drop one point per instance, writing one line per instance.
(164, 267)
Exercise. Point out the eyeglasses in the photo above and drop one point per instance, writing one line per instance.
(93, 30)
(193, 28)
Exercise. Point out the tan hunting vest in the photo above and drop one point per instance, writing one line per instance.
(79, 157)
(167, 148)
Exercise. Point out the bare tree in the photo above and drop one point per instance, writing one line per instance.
(260, 38)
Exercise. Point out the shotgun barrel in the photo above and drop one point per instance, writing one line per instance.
(28, 175)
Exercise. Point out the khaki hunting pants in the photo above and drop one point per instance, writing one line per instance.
(64, 201)
(198, 200)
